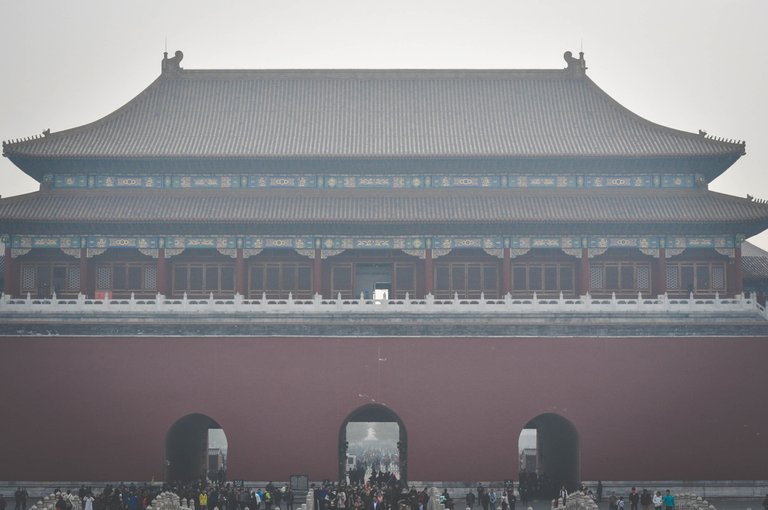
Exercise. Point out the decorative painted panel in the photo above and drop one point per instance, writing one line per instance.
(70, 181)
(372, 243)
(700, 242)
(467, 242)
(371, 181)
(618, 181)
(542, 181)
(200, 242)
(123, 242)
(624, 242)
(678, 181)
(545, 242)
(279, 242)
(466, 181)
(45, 242)
(129, 181)
(205, 181)
(282, 181)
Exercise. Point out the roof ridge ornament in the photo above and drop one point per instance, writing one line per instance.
(575, 65)
(173, 64)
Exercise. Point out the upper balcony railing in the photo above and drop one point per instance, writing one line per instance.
(507, 305)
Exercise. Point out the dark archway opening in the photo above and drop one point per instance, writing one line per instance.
(549, 456)
(372, 438)
(195, 449)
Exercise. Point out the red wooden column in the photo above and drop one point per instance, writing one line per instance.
(506, 272)
(317, 273)
(162, 272)
(428, 274)
(11, 273)
(661, 285)
(584, 272)
(84, 271)
(738, 273)
(240, 283)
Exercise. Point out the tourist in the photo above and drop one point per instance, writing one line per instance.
(512, 499)
(2, 502)
(620, 503)
(634, 499)
(765, 502)
(470, 499)
(645, 500)
(504, 500)
(657, 500)
(669, 501)
(563, 494)
(599, 491)
(88, 501)
(612, 502)
(202, 500)
(492, 499)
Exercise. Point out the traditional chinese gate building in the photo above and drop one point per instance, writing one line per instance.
(466, 253)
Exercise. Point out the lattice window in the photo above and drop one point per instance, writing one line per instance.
(104, 277)
(150, 278)
(73, 278)
(673, 278)
(28, 277)
(643, 275)
(718, 277)
(596, 277)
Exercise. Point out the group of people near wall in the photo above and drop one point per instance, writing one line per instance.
(489, 498)
(645, 499)
(533, 485)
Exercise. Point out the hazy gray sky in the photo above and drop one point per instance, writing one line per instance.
(686, 64)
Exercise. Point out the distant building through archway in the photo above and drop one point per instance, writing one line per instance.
(372, 437)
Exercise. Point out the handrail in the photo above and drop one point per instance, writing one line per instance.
(507, 305)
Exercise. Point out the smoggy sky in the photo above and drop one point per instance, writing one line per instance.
(686, 64)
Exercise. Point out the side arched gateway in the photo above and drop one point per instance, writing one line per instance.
(195, 448)
(372, 437)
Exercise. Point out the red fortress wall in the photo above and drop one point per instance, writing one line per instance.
(643, 408)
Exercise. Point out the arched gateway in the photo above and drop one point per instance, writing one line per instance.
(375, 433)
(555, 455)
(188, 452)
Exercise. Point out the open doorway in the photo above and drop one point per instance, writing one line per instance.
(548, 457)
(372, 443)
(196, 448)
(373, 281)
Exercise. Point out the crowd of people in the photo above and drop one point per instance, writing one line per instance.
(381, 491)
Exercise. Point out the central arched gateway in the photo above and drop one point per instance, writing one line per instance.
(188, 450)
(360, 428)
(555, 456)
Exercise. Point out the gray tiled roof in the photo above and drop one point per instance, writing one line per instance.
(754, 261)
(262, 206)
(371, 114)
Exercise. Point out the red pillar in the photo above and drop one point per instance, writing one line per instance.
(84, 271)
(162, 272)
(317, 273)
(584, 272)
(240, 283)
(661, 285)
(11, 273)
(506, 272)
(738, 274)
(428, 274)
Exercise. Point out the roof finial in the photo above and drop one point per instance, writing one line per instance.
(575, 64)
(172, 64)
